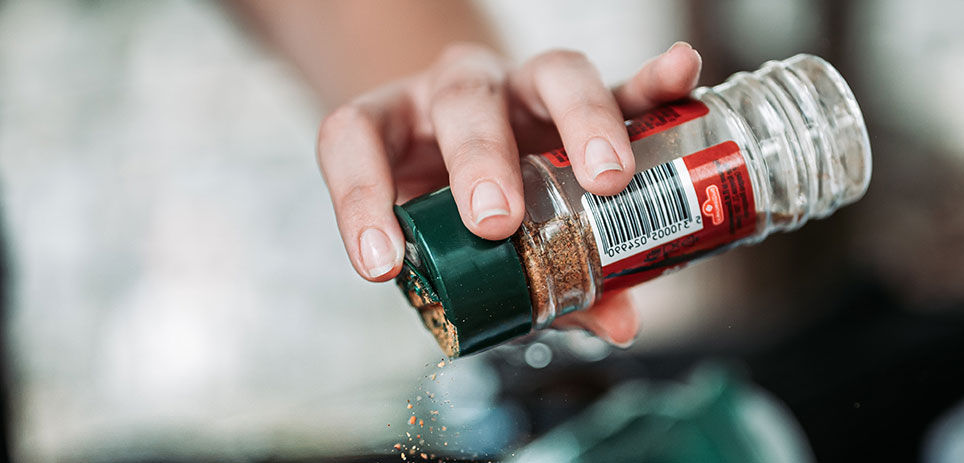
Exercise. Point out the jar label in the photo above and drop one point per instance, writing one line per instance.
(649, 123)
(671, 214)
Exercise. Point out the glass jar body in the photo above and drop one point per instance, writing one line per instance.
(761, 152)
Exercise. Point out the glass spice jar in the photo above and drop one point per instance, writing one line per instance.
(762, 152)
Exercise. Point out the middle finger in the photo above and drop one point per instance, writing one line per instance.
(469, 115)
(566, 87)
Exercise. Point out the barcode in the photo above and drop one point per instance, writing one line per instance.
(659, 205)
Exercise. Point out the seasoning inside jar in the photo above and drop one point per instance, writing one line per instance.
(564, 249)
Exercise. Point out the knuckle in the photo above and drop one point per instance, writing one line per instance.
(472, 150)
(459, 51)
(344, 119)
(356, 200)
(588, 114)
(560, 59)
(464, 86)
(466, 70)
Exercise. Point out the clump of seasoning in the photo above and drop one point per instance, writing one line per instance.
(431, 310)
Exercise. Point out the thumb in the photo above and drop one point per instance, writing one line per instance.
(612, 319)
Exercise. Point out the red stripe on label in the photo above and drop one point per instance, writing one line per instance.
(665, 117)
(725, 195)
(651, 122)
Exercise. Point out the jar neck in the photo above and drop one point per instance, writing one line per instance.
(809, 134)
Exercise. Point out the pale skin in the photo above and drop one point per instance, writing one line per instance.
(463, 120)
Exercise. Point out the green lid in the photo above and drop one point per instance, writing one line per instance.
(471, 292)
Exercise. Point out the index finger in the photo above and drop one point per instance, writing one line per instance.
(353, 154)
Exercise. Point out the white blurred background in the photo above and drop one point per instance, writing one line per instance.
(177, 284)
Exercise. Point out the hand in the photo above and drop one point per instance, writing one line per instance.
(463, 122)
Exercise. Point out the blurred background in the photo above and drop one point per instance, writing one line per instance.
(175, 288)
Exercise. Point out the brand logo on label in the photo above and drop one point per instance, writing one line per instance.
(713, 206)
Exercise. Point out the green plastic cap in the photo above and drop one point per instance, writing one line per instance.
(471, 292)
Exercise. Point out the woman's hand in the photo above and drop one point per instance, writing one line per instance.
(464, 122)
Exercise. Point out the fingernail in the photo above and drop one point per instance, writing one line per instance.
(620, 345)
(378, 253)
(679, 44)
(488, 201)
(600, 157)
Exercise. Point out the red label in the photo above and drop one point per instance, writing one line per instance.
(557, 157)
(651, 122)
(725, 195)
(665, 117)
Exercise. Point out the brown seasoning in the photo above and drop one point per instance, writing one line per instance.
(433, 315)
(556, 255)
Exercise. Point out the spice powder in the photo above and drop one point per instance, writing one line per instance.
(556, 255)
(432, 313)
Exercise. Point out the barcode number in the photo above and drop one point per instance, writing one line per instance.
(658, 206)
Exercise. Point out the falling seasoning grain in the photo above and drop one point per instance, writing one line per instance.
(423, 455)
(441, 364)
(409, 406)
(420, 422)
(412, 420)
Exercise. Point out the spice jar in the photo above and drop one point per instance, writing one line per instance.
(762, 152)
